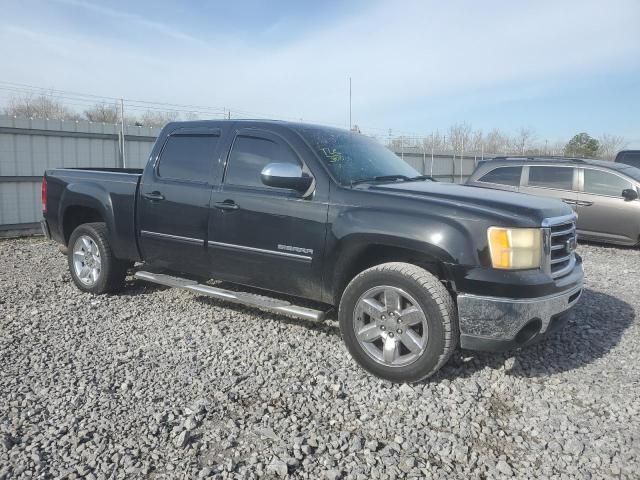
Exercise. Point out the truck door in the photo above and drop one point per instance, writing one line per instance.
(265, 237)
(173, 210)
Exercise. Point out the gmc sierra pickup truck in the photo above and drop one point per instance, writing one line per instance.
(414, 267)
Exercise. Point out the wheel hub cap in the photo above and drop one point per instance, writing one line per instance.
(390, 326)
(86, 260)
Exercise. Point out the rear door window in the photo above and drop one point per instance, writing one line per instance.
(188, 157)
(560, 178)
(503, 176)
(604, 183)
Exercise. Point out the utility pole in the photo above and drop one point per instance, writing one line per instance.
(350, 124)
(424, 160)
(431, 172)
(453, 161)
(124, 161)
(461, 159)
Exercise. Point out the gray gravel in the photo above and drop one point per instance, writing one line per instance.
(160, 383)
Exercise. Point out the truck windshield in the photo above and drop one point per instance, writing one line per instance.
(354, 158)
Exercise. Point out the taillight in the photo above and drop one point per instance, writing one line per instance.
(44, 195)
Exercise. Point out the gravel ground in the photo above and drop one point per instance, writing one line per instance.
(160, 383)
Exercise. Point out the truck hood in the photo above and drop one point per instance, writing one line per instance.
(508, 206)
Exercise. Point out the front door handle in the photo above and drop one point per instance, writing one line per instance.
(569, 201)
(153, 196)
(227, 205)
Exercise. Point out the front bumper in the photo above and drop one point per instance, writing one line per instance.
(498, 323)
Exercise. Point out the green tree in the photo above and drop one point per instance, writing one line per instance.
(582, 145)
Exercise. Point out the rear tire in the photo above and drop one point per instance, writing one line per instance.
(94, 268)
(398, 322)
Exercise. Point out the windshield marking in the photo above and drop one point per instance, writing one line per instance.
(332, 154)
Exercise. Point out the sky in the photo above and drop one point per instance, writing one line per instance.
(557, 67)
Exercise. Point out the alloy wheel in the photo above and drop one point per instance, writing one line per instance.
(390, 326)
(86, 260)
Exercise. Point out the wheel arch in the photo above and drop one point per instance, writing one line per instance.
(76, 215)
(356, 255)
(85, 202)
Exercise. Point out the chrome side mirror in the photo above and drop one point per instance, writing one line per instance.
(286, 175)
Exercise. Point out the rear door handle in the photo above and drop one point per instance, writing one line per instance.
(153, 196)
(584, 203)
(227, 205)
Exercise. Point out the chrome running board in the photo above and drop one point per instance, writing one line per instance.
(243, 298)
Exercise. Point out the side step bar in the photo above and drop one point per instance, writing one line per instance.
(243, 298)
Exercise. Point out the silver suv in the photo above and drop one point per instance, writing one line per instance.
(603, 194)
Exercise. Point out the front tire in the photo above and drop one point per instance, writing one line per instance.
(398, 322)
(94, 268)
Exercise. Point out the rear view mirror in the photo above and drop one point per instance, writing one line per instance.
(286, 175)
(630, 194)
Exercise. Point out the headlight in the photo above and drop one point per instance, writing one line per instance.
(515, 248)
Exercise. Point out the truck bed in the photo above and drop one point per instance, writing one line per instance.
(106, 194)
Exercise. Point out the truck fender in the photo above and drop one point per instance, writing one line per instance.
(436, 241)
(89, 195)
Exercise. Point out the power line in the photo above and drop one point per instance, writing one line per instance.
(141, 109)
(154, 105)
(71, 94)
(85, 100)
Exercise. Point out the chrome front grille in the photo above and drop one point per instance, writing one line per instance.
(560, 245)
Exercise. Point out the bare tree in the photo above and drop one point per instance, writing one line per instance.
(103, 113)
(557, 147)
(523, 140)
(610, 145)
(458, 136)
(496, 142)
(433, 142)
(40, 106)
(476, 142)
(157, 118)
(402, 142)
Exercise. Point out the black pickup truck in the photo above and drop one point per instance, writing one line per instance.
(415, 267)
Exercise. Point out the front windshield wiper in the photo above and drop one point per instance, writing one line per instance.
(392, 178)
(422, 177)
(380, 178)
